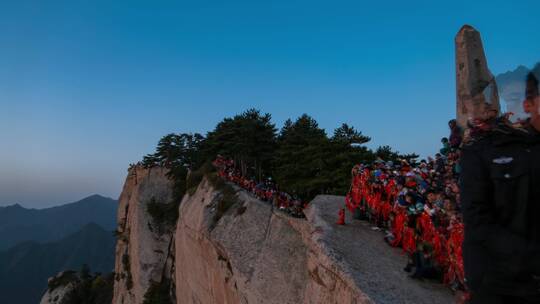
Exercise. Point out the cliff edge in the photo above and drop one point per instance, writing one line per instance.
(230, 247)
(256, 254)
(141, 251)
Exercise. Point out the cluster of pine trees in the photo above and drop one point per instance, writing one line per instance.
(300, 157)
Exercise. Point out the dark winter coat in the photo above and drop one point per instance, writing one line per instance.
(500, 184)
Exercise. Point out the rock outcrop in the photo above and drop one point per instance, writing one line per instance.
(142, 252)
(56, 293)
(254, 254)
(249, 252)
(476, 89)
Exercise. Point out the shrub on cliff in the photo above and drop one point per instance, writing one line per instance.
(226, 199)
(90, 289)
(63, 279)
(158, 293)
(179, 153)
(195, 177)
(164, 215)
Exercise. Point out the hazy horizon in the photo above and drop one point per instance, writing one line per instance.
(87, 88)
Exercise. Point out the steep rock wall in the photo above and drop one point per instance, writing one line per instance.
(254, 254)
(57, 294)
(141, 252)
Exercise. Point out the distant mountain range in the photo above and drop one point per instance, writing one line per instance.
(512, 89)
(25, 268)
(18, 224)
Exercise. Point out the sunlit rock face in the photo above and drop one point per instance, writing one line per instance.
(142, 254)
(254, 255)
(476, 89)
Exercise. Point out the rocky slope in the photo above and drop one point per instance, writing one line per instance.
(252, 253)
(57, 293)
(141, 251)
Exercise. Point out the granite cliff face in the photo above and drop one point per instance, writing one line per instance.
(142, 253)
(253, 253)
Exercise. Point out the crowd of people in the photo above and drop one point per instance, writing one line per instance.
(266, 190)
(417, 206)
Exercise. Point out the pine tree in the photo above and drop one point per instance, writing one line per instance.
(248, 138)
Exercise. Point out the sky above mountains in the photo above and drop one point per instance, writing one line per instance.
(87, 87)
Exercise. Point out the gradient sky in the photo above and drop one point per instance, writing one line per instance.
(87, 87)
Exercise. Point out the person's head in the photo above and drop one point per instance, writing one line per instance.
(531, 104)
(410, 198)
(452, 124)
(431, 197)
(448, 204)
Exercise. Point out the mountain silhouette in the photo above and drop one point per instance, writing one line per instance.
(25, 268)
(19, 224)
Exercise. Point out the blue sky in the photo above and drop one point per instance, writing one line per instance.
(87, 87)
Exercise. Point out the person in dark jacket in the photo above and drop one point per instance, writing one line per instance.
(500, 184)
(455, 134)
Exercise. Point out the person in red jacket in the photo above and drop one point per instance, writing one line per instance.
(341, 217)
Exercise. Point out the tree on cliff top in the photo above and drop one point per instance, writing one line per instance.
(308, 163)
(387, 154)
(303, 159)
(248, 138)
(350, 135)
(179, 153)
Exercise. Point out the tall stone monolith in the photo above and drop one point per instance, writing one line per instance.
(476, 89)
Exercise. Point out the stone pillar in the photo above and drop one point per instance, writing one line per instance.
(476, 89)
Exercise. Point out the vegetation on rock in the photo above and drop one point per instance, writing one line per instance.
(180, 154)
(164, 215)
(226, 199)
(301, 158)
(62, 279)
(90, 289)
(158, 293)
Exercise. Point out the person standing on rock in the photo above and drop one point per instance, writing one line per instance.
(500, 184)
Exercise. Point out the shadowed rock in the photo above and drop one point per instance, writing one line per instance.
(476, 89)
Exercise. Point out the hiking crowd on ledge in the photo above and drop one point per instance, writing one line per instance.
(418, 207)
(266, 190)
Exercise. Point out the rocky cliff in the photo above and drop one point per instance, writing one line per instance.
(251, 253)
(56, 293)
(142, 251)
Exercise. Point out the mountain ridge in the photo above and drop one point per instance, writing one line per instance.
(25, 268)
(20, 224)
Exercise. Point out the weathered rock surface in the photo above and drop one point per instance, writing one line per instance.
(255, 254)
(141, 253)
(373, 266)
(476, 89)
(57, 294)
